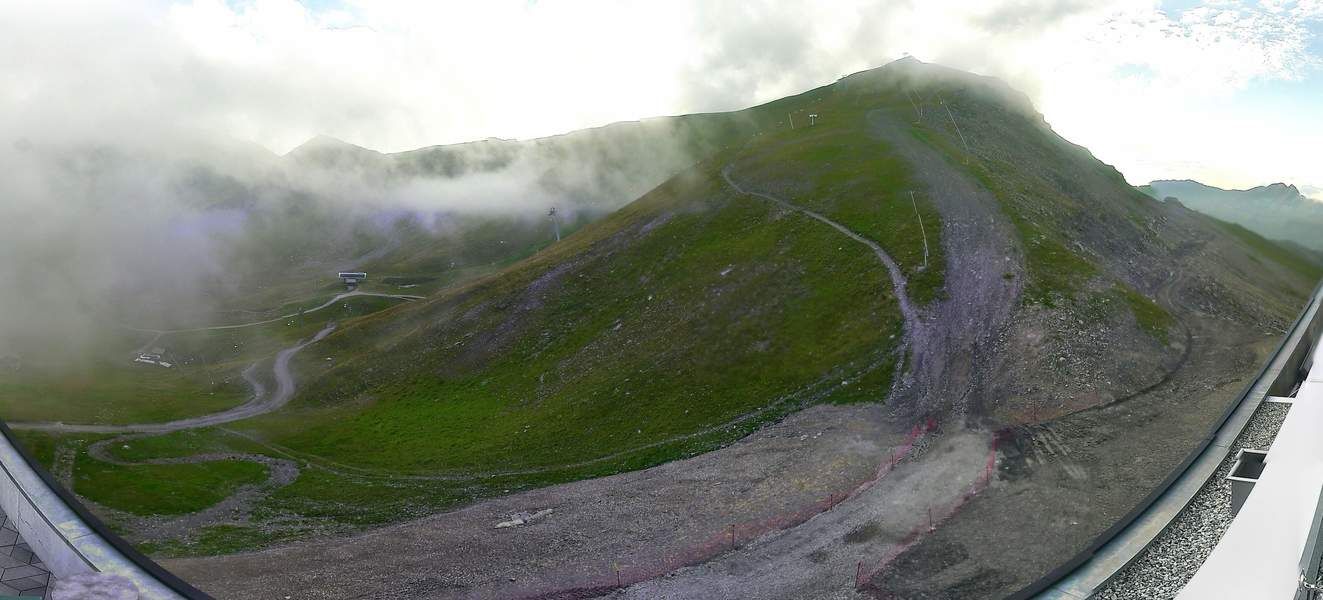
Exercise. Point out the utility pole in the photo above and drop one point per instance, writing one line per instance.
(792, 119)
(915, 203)
(953, 122)
(555, 221)
(917, 110)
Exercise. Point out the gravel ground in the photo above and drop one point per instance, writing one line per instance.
(636, 521)
(821, 558)
(1172, 559)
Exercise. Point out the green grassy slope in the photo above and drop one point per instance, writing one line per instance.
(837, 169)
(691, 316)
(692, 307)
(162, 489)
(739, 319)
(677, 324)
(1297, 262)
(114, 392)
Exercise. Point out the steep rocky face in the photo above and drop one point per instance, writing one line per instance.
(1109, 274)
(1135, 323)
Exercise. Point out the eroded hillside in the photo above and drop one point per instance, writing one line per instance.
(963, 347)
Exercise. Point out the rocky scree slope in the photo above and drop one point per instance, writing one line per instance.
(1135, 323)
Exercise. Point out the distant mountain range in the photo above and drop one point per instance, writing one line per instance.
(1278, 211)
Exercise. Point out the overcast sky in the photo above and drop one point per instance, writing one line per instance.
(1230, 93)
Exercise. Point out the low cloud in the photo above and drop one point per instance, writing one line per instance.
(138, 138)
(394, 75)
(103, 235)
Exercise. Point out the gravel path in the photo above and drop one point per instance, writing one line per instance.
(234, 509)
(261, 403)
(1172, 559)
(639, 521)
(822, 557)
(332, 301)
(898, 281)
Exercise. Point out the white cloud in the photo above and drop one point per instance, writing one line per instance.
(1312, 192)
(1149, 91)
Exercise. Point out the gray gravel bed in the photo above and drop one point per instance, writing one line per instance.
(1173, 557)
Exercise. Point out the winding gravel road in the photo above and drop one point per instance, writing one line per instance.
(260, 404)
(237, 506)
(330, 302)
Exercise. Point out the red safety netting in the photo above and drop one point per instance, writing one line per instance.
(611, 576)
(866, 572)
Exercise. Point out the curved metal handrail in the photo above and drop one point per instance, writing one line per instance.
(68, 538)
(1041, 588)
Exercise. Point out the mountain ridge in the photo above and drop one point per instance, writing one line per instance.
(1057, 308)
(1278, 211)
(924, 269)
(1282, 189)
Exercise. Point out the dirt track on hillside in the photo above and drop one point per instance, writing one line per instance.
(898, 281)
(327, 304)
(640, 521)
(260, 404)
(643, 524)
(661, 532)
(234, 509)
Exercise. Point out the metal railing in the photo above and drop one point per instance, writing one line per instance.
(1309, 588)
(1308, 329)
(68, 538)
